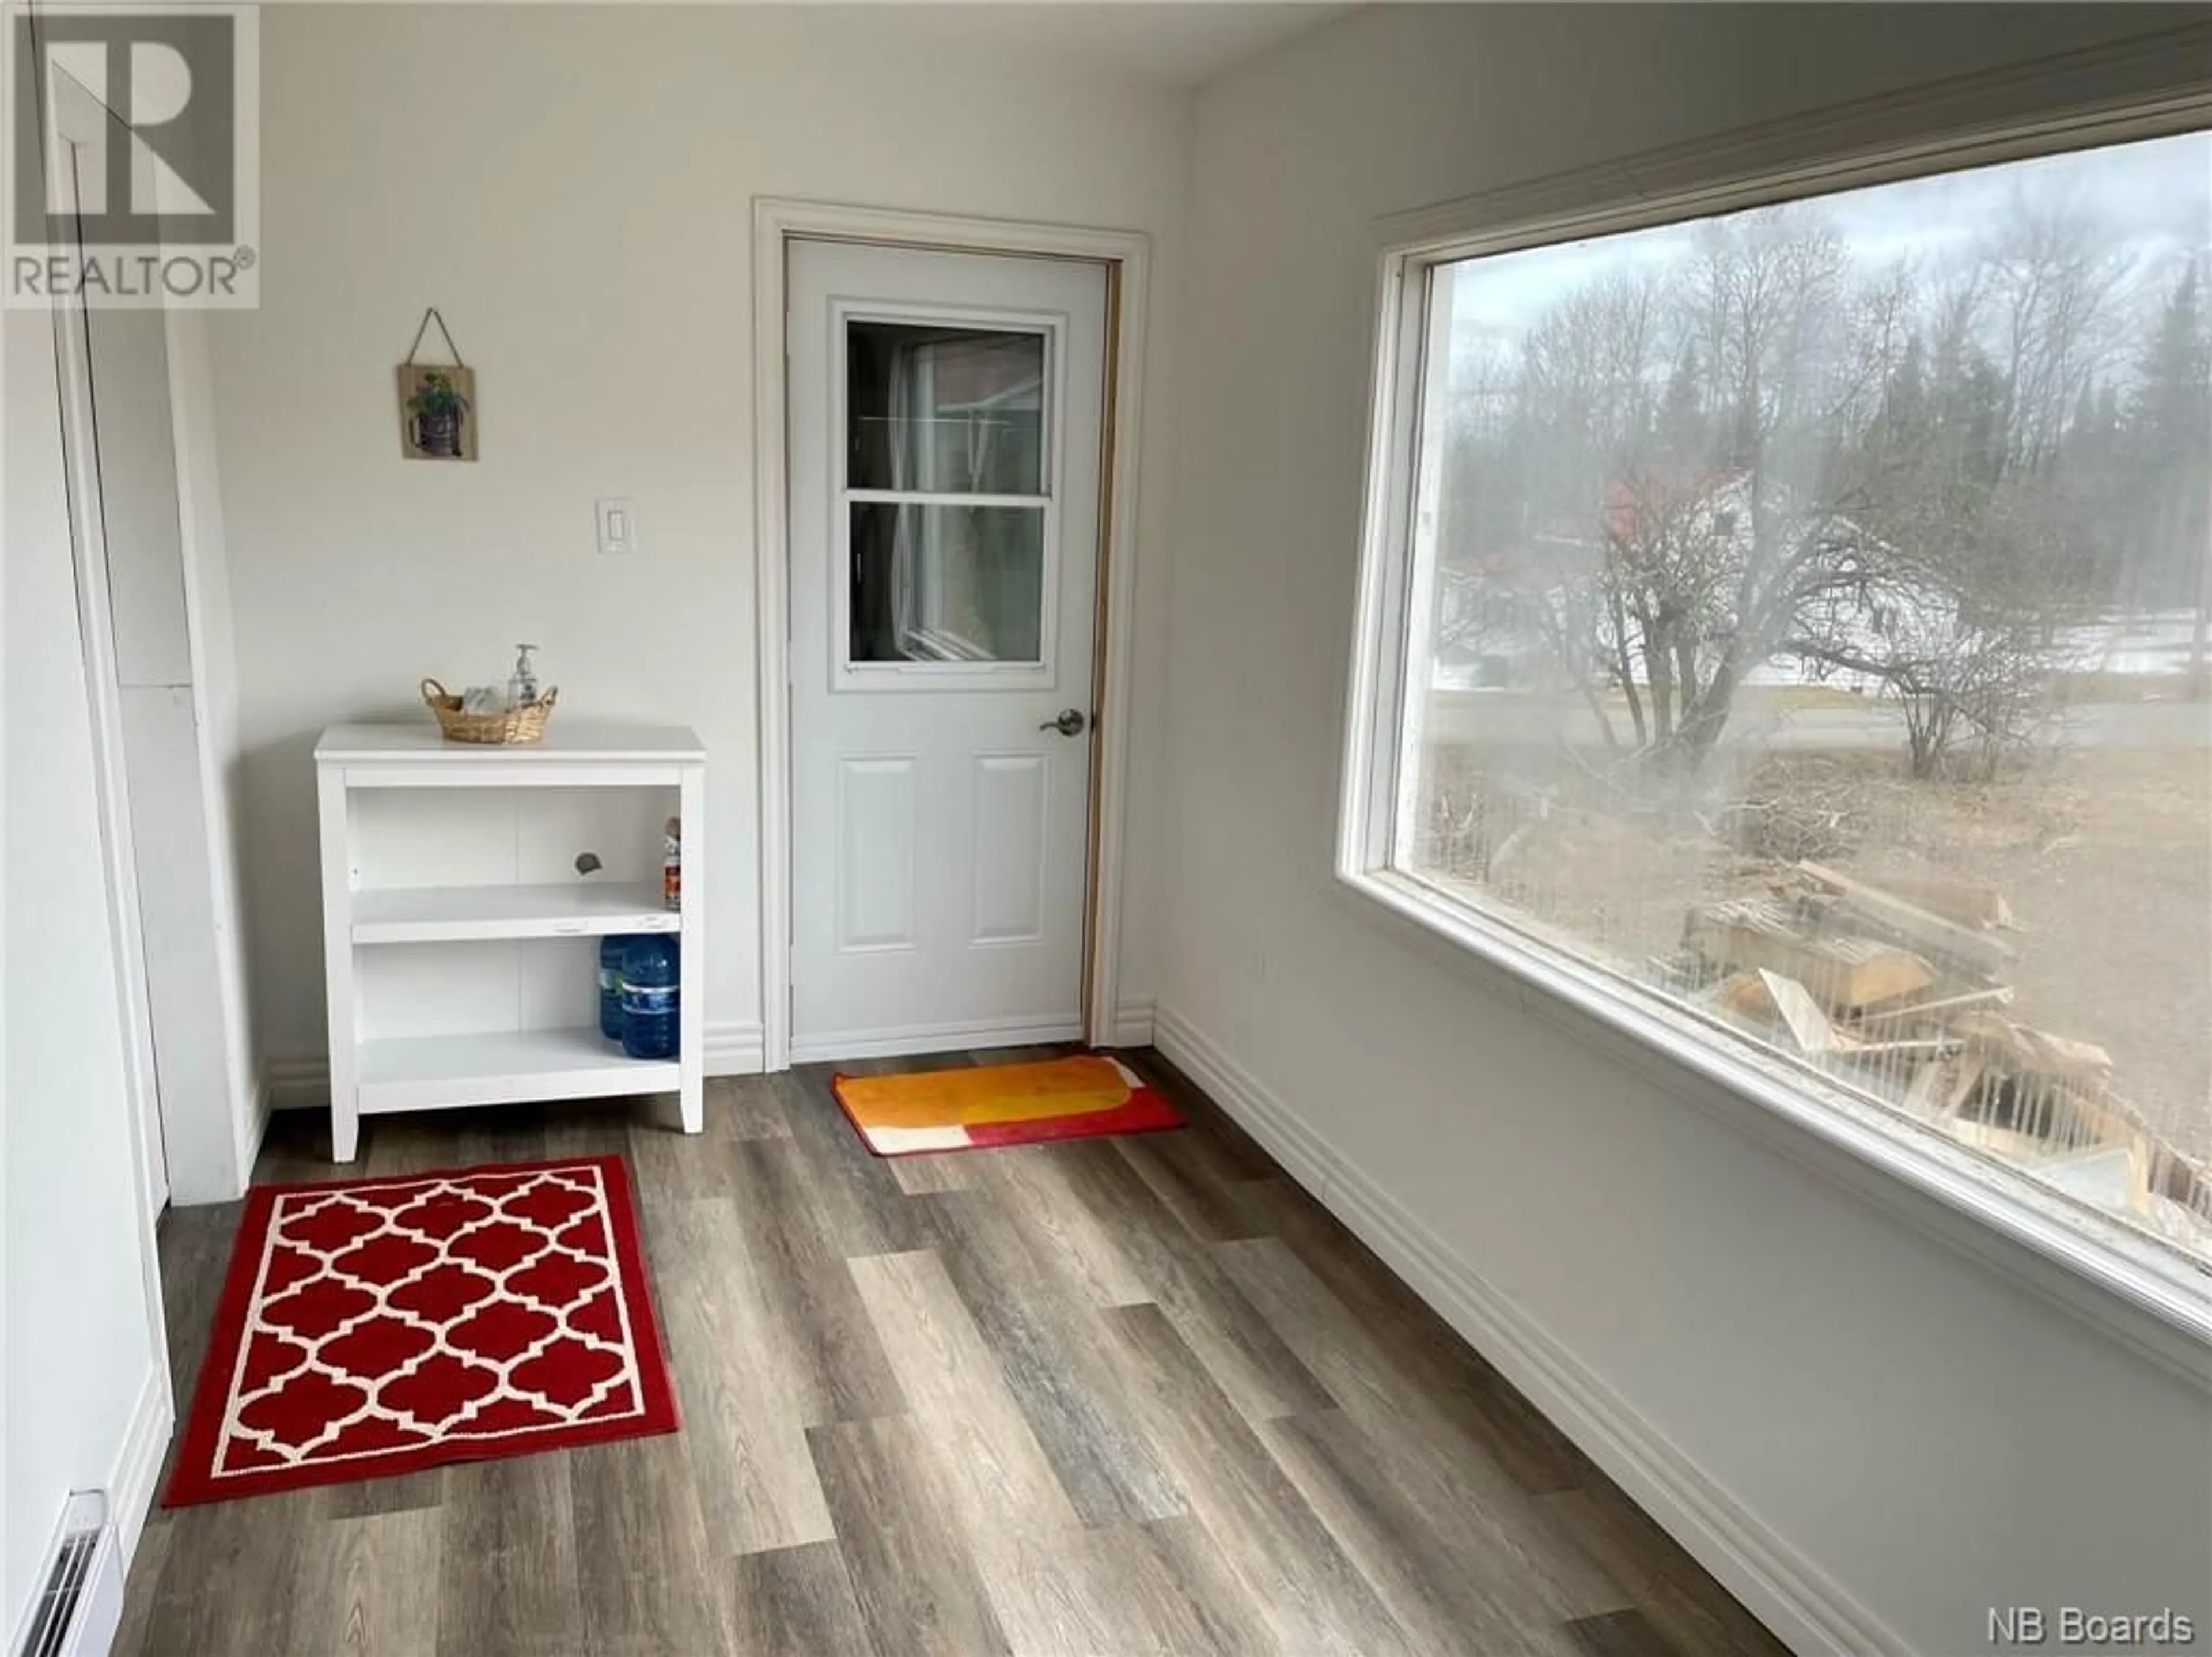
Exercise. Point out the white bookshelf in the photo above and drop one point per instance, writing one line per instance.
(460, 942)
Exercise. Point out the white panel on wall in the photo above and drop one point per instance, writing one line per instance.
(876, 852)
(176, 917)
(138, 466)
(1009, 842)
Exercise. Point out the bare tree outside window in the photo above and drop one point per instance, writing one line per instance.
(1816, 605)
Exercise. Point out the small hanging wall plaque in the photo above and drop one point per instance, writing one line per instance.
(437, 401)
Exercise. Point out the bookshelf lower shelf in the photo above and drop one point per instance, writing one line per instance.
(418, 1073)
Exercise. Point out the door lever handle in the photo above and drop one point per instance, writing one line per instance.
(1070, 722)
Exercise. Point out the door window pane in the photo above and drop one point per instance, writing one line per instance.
(946, 583)
(943, 410)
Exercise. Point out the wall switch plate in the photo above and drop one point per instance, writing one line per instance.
(617, 521)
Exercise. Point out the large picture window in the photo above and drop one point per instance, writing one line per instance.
(1795, 619)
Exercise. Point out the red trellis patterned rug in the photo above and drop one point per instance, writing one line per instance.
(377, 1326)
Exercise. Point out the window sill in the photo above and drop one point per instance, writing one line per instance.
(2126, 1285)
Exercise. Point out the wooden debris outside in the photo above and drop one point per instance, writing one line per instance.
(1800, 1013)
(2034, 1054)
(1998, 994)
(1980, 907)
(1845, 973)
(1904, 989)
(1911, 925)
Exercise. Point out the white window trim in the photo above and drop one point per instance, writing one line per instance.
(2158, 85)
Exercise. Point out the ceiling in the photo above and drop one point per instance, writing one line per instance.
(1176, 42)
(1179, 42)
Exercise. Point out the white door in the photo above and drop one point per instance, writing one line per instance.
(945, 426)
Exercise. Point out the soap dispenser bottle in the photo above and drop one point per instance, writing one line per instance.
(522, 684)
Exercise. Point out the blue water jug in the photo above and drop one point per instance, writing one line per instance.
(649, 978)
(611, 968)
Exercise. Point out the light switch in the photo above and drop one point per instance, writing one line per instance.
(617, 524)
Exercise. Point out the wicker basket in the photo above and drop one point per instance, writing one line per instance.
(516, 726)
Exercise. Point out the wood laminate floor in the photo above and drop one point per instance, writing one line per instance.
(1134, 1396)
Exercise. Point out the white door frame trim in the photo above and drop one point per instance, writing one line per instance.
(777, 221)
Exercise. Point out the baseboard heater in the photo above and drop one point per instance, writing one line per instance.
(79, 1605)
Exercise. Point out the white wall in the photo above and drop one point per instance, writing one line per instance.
(1911, 1426)
(573, 187)
(81, 1371)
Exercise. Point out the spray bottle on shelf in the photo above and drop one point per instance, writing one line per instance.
(522, 683)
(671, 864)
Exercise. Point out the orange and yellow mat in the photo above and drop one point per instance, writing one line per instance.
(1074, 1098)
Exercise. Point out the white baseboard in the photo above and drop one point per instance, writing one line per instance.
(131, 1486)
(295, 1084)
(901, 1040)
(1808, 1610)
(1133, 1022)
(735, 1049)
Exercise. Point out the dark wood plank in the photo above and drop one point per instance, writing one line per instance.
(737, 1383)
(500, 1133)
(745, 1107)
(357, 1588)
(1445, 1570)
(686, 1166)
(996, 1487)
(1049, 1352)
(919, 1592)
(1425, 1354)
(1075, 1250)
(297, 1147)
(802, 1267)
(507, 1568)
(227, 1576)
(1671, 1590)
(194, 1246)
(1284, 1558)
(1230, 1154)
(852, 1196)
(1244, 1355)
(650, 1591)
(797, 1602)
(414, 1143)
(594, 1127)
(367, 1498)
(1209, 1207)
(133, 1635)
(1169, 1593)
(1619, 1634)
